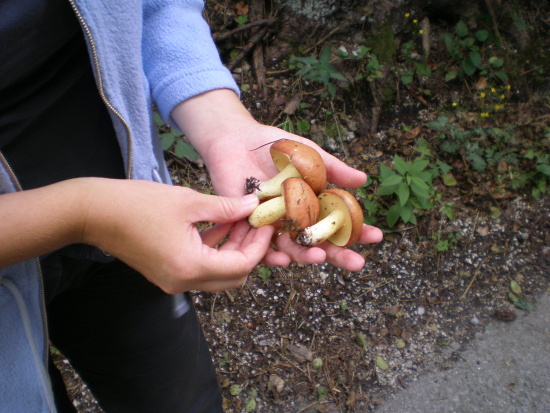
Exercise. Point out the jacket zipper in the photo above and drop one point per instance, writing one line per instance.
(97, 68)
(19, 188)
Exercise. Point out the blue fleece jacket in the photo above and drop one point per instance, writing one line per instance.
(142, 52)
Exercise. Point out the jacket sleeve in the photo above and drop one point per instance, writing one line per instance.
(180, 58)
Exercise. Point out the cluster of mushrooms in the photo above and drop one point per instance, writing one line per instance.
(298, 197)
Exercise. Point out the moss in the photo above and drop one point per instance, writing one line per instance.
(382, 43)
(332, 130)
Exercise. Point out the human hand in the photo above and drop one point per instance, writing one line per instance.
(249, 156)
(235, 147)
(151, 227)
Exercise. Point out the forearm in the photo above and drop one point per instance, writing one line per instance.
(39, 221)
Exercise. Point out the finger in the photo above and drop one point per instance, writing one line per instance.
(214, 235)
(370, 235)
(231, 264)
(211, 208)
(343, 175)
(276, 259)
(343, 258)
(298, 253)
(241, 233)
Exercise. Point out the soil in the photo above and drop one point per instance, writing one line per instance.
(320, 339)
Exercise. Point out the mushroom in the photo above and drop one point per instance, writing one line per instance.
(292, 159)
(340, 222)
(297, 206)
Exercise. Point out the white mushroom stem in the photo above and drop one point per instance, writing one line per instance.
(268, 212)
(322, 230)
(272, 187)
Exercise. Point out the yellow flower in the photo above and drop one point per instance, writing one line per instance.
(493, 90)
(482, 95)
(421, 31)
(415, 21)
(407, 15)
(508, 87)
(498, 107)
(484, 115)
(502, 97)
(455, 104)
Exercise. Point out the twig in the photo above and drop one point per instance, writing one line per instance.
(231, 298)
(493, 19)
(473, 279)
(251, 43)
(213, 306)
(255, 14)
(218, 37)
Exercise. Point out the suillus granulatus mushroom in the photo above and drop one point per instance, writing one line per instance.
(292, 159)
(340, 221)
(297, 206)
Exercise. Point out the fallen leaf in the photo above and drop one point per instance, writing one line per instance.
(483, 231)
(381, 363)
(276, 384)
(241, 8)
(300, 353)
(481, 83)
(292, 106)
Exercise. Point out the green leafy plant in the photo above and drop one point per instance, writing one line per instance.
(172, 139)
(420, 68)
(445, 243)
(371, 70)
(318, 70)
(408, 189)
(411, 184)
(264, 273)
(517, 297)
(484, 148)
(465, 48)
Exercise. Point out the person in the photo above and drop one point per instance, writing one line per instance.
(97, 250)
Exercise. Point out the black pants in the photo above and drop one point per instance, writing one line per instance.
(120, 335)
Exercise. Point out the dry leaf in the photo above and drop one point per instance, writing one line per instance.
(300, 353)
(292, 106)
(483, 231)
(481, 83)
(241, 8)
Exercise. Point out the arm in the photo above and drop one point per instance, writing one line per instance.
(149, 226)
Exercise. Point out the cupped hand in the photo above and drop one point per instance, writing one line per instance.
(151, 227)
(245, 152)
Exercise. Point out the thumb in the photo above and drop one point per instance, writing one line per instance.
(220, 209)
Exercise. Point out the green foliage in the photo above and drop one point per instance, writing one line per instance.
(484, 148)
(318, 70)
(465, 47)
(446, 243)
(416, 67)
(404, 192)
(172, 139)
(302, 126)
(241, 20)
(517, 298)
(264, 273)
(411, 184)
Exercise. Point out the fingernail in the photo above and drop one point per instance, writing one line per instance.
(249, 200)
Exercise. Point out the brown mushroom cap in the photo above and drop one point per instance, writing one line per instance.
(301, 205)
(353, 222)
(304, 158)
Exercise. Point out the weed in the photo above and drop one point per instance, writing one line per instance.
(318, 70)
(464, 49)
(264, 273)
(446, 243)
(172, 139)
